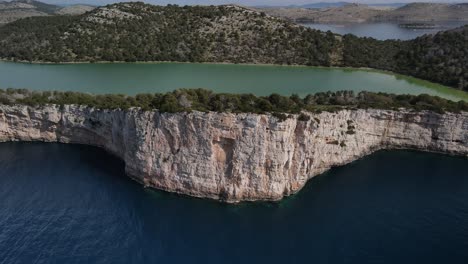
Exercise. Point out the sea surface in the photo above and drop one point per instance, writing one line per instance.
(384, 31)
(74, 204)
(133, 78)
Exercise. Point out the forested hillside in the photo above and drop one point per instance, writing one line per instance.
(141, 32)
(441, 58)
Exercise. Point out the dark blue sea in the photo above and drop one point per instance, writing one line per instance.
(74, 204)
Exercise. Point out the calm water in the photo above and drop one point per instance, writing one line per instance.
(73, 204)
(260, 80)
(383, 31)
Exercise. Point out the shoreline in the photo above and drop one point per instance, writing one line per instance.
(164, 62)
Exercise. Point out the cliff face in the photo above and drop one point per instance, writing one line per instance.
(235, 157)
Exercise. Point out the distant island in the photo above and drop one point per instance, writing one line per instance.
(320, 12)
(359, 13)
(418, 25)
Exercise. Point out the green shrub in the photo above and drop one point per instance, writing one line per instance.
(281, 117)
(303, 117)
(186, 100)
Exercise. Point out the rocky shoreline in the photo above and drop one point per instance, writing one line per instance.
(235, 157)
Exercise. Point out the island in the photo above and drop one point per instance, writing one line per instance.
(418, 25)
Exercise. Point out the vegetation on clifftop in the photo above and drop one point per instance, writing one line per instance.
(186, 100)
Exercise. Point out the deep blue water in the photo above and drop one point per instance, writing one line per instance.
(74, 204)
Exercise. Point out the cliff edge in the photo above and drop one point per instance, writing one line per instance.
(235, 157)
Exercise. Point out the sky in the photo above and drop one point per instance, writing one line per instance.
(242, 2)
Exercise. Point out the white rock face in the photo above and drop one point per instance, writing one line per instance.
(235, 157)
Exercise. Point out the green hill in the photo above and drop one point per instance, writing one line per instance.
(141, 32)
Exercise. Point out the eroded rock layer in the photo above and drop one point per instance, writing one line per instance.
(235, 157)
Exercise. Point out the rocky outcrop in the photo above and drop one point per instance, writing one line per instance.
(235, 157)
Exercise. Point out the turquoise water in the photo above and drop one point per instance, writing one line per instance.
(74, 204)
(127, 78)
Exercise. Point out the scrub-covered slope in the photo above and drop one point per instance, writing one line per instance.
(142, 32)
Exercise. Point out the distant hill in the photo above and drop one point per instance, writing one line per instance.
(394, 5)
(17, 9)
(330, 4)
(415, 12)
(11, 11)
(39, 6)
(346, 13)
(424, 12)
(74, 10)
(140, 32)
(312, 5)
(321, 12)
(324, 5)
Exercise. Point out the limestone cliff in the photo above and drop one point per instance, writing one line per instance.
(235, 157)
